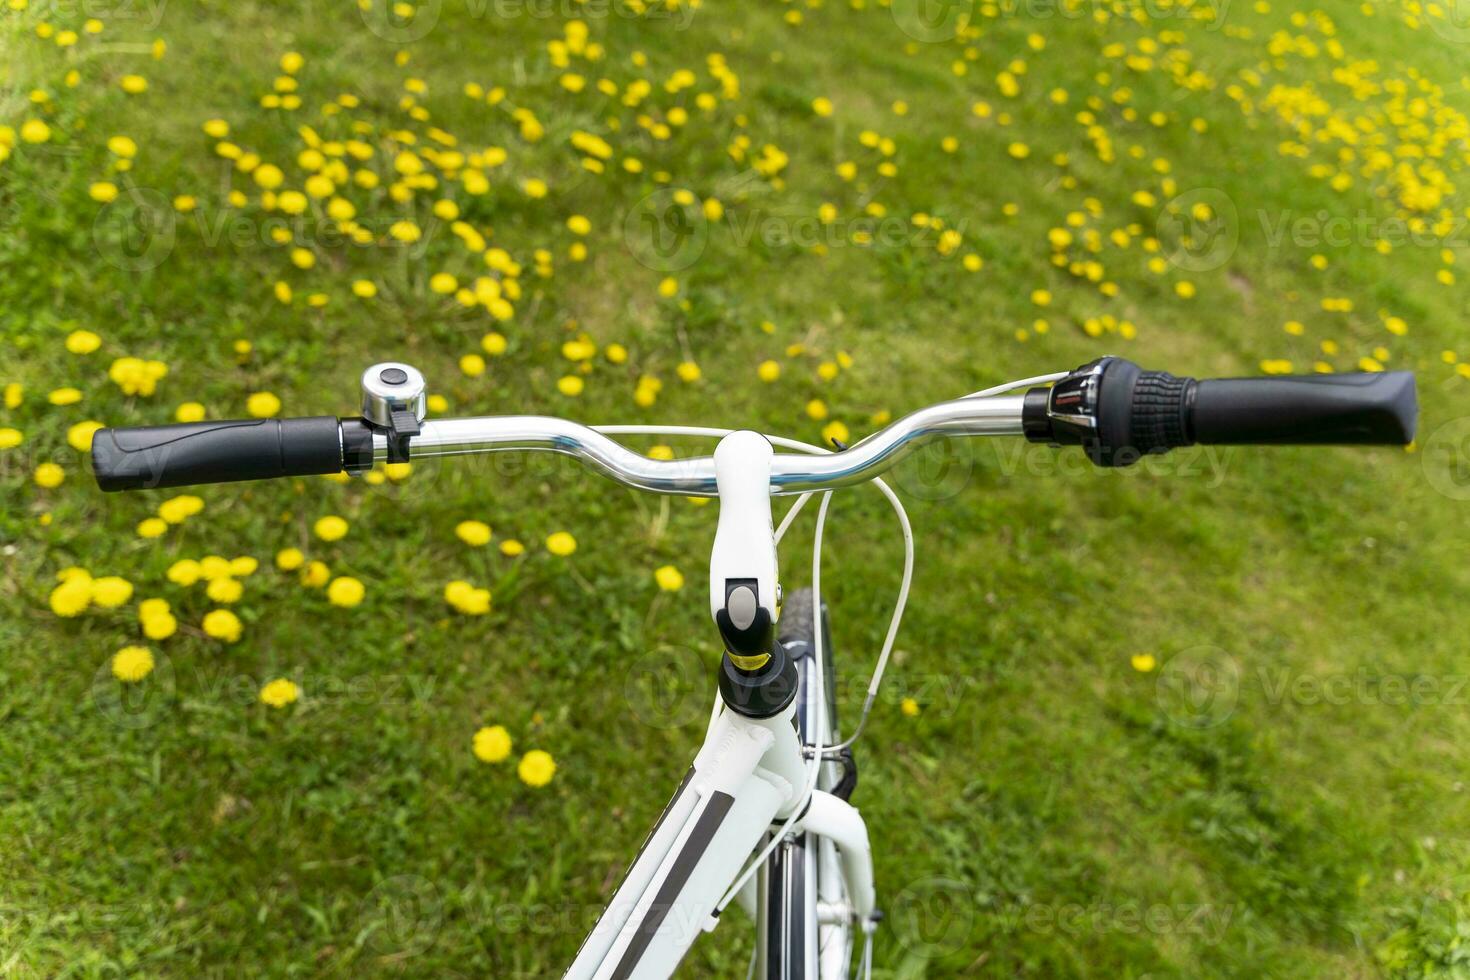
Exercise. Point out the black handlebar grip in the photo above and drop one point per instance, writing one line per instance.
(155, 456)
(1375, 409)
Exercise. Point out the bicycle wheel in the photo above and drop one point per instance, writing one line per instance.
(803, 878)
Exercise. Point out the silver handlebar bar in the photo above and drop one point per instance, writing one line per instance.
(695, 477)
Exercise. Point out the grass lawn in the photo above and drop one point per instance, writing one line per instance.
(1204, 717)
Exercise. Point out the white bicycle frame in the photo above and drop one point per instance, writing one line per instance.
(749, 774)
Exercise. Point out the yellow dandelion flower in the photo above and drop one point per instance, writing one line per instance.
(512, 548)
(224, 591)
(279, 693)
(152, 527)
(82, 342)
(330, 528)
(110, 591)
(221, 624)
(262, 405)
(34, 131)
(176, 510)
(315, 575)
(49, 476)
(184, 572)
(72, 596)
(472, 365)
(669, 578)
(492, 744)
(561, 544)
(132, 664)
(536, 768)
(345, 591)
(79, 436)
(476, 534)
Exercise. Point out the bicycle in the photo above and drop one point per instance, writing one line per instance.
(763, 816)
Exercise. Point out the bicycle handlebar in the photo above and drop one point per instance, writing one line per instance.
(1116, 411)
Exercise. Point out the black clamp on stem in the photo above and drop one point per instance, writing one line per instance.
(757, 678)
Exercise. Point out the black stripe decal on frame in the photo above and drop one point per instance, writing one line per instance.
(699, 840)
(683, 784)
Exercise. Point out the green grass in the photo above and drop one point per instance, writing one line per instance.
(1051, 811)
